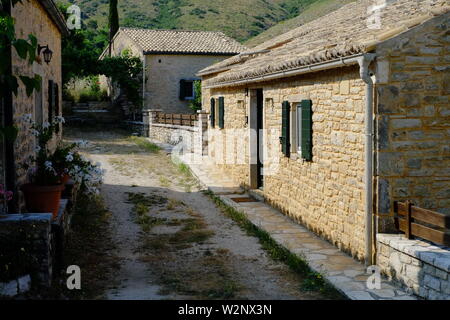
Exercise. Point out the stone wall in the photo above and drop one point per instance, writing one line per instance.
(190, 139)
(28, 243)
(413, 116)
(419, 266)
(31, 18)
(327, 194)
(164, 73)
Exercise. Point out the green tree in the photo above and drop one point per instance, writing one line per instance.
(196, 104)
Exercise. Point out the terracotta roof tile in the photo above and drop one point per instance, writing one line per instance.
(339, 34)
(178, 41)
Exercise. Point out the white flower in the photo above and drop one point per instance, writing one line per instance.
(69, 157)
(46, 125)
(82, 143)
(60, 119)
(27, 118)
(34, 132)
(37, 149)
(48, 164)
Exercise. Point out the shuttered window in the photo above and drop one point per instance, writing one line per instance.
(304, 129)
(186, 89)
(213, 113)
(285, 129)
(221, 112)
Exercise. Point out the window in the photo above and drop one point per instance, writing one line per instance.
(187, 89)
(213, 113)
(221, 112)
(299, 128)
(304, 129)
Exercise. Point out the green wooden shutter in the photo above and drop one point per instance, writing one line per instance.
(306, 129)
(285, 129)
(221, 112)
(182, 89)
(213, 113)
(51, 100)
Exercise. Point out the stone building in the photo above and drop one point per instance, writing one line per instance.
(42, 19)
(352, 112)
(36, 236)
(171, 59)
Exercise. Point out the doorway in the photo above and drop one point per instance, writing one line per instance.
(260, 137)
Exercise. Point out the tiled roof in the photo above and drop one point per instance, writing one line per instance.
(185, 42)
(339, 34)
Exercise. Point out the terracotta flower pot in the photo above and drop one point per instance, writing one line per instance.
(65, 178)
(42, 199)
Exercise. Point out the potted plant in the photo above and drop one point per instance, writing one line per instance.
(69, 163)
(43, 193)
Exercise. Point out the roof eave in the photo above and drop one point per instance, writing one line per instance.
(326, 65)
(56, 15)
(150, 52)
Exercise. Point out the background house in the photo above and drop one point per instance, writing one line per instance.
(310, 87)
(171, 59)
(42, 19)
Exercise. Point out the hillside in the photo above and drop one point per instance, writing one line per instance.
(240, 19)
(315, 10)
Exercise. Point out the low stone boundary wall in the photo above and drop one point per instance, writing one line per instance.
(28, 239)
(419, 266)
(175, 135)
(35, 245)
(192, 139)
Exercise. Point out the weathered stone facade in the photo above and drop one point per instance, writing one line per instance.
(187, 139)
(164, 73)
(411, 139)
(168, 57)
(421, 267)
(32, 18)
(326, 194)
(413, 117)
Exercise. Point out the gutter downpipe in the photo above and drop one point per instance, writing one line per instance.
(364, 63)
(144, 75)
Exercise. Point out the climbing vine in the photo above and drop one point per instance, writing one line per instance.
(26, 50)
(125, 71)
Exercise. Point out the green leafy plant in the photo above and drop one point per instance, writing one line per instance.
(196, 104)
(26, 49)
(125, 71)
(9, 133)
(43, 172)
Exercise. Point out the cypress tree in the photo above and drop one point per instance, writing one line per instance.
(113, 21)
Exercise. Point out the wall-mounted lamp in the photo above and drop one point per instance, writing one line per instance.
(48, 54)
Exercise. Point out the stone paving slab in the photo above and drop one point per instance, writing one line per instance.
(342, 271)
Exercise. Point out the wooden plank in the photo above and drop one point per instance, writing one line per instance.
(435, 218)
(437, 236)
(427, 216)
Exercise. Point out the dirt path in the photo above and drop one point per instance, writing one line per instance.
(172, 240)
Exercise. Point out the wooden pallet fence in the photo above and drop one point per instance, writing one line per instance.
(176, 119)
(426, 224)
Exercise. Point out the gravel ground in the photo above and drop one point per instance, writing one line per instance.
(173, 242)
